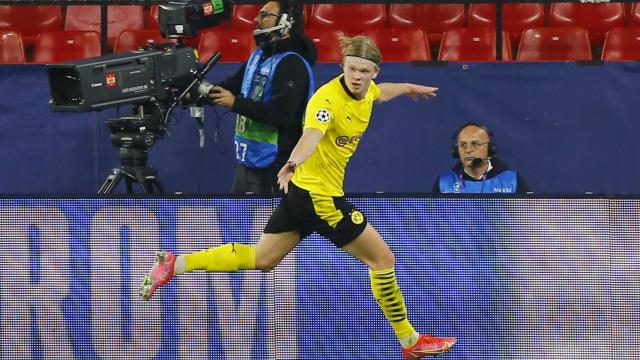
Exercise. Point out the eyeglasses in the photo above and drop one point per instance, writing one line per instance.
(472, 145)
(263, 14)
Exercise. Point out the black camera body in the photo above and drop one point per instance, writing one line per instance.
(154, 80)
(151, 75)
(184, 19)
(112, 80)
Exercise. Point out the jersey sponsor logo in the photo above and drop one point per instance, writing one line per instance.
(345, 140)
(357, 217)
(323, 116)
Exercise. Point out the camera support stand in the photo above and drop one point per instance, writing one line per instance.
(134, 135)
(145, 176)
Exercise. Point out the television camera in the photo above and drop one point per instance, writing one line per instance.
(154, 80)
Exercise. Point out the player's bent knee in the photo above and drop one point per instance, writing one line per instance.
(383, 261)
(388, 260)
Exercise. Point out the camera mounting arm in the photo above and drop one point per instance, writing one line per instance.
(198, 79)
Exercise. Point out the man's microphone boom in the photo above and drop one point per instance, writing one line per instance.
(267, 30)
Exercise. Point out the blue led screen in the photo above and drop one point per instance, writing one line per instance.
(512, 278)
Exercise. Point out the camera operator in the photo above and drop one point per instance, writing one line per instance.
(269, 93)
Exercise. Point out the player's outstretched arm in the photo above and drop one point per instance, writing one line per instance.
(389, 91)
(304, 148)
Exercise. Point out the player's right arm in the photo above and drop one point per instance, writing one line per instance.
(318, 118)
(304, 148)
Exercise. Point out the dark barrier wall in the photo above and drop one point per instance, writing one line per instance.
(511, 278)
(568, 128)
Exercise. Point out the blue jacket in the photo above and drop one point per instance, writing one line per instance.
(500, 179)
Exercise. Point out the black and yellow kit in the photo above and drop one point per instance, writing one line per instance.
(315, 201)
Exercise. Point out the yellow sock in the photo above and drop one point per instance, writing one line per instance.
(389, 297)
(224, 258)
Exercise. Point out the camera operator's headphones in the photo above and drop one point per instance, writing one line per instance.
(285, 20)
(491, 145)
(284, 23)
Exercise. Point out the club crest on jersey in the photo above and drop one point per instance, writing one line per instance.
(357, 217)
(323, 116)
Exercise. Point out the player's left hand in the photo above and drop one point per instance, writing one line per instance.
(418, 92)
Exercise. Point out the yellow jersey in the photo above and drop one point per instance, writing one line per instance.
(343, 120)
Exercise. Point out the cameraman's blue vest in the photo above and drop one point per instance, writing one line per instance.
(505, 182)
(257, 143)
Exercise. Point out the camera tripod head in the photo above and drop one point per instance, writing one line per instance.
(135, 134)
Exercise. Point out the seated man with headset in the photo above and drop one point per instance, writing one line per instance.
(478, 170)
(269, 92)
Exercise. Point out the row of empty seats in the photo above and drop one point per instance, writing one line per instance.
(479, 44)
(412, 37)
(33, 20)
(434, 19)
(397, 45)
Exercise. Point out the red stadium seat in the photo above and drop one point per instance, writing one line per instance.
(29, 21)
(11, 48)
(236, 46)
(597, 19)
(634, 15)
(152, 18)
(554, 44)
(136, 39)
(243, 16)
(351, 18)
(515, 18)
(475, 44)
(120, 17)
(434, 19)
(401, 45)
(327, 42)
(60, 46)
(622, 44)
(306, 11)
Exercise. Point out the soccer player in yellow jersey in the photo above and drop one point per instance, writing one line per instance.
(337, 116)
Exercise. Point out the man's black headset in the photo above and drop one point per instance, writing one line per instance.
(454, 138)
(285, 20)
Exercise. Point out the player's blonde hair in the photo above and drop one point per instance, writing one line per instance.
(361, 46)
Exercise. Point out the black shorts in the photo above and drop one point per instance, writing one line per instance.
(332, 217)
